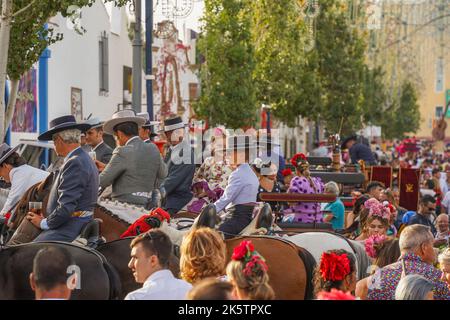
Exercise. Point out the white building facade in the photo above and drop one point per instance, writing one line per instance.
(87, 73)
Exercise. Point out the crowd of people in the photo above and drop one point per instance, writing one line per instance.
(408, 249)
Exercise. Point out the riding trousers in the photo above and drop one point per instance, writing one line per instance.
(239, 217)
(67, 232)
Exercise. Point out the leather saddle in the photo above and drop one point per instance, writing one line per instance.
(157, 199)
(207, 218)
(263, 220)
(90, 234)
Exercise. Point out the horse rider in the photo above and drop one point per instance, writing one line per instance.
(15, 170)
(242, 189)
(145, 132)
(181, 166)
(94, 138)
(73, 195)
(135, 166)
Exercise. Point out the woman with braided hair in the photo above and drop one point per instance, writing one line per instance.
(247, 272)
(303, 183)
(337, 270)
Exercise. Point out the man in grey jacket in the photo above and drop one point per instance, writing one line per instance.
(135, 166)
(181, 166)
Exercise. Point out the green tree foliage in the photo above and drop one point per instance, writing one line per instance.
(374, 93)
(403, 116)
(228, 91)
(341, 58)
(283, 77)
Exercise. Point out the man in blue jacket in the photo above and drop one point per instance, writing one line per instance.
(359, 151)
(73, 195)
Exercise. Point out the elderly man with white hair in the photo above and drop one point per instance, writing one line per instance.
(73, 195)
(418, 255)
(334, 212)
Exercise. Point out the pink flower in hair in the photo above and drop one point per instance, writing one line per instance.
(372, 242)
(376, 208)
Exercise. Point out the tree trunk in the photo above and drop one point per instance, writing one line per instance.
(5, 28)
(11, 103)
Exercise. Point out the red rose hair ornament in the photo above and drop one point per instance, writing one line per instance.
(297, 158)
(246, 253)
(286, 172)
(334, 267)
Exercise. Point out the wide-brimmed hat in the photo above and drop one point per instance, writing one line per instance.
(240, 142)
(352, 137)
(61, 124)
(147, 123)
(173, 124)
(6, 151)
(94, 123)
(122, 116)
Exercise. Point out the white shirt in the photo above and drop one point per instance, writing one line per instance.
(161, 285)
(95, 148)
(242, 188)
(22, 178)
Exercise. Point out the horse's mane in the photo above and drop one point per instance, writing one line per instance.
(111, 214)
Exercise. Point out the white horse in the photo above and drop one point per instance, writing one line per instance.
(319, 242)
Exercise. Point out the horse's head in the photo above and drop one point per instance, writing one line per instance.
(46, 185)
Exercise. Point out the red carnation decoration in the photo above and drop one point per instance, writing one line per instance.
(295, 159)
(241, 250)
(335, 294)
(334, 267)
(286, 172)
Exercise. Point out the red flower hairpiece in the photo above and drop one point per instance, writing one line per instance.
(334, 267)
(245, 252)
(286, 172)
(335, 294)
(295, 159)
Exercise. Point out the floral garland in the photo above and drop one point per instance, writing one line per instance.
(372, 243)
(299, 157)
(254, 262)
(334, 267)
(377, 209)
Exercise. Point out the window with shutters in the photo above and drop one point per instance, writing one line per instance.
(103, 63)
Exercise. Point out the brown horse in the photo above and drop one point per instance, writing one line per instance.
(21, 230)
(112, 225)
(290, 267)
